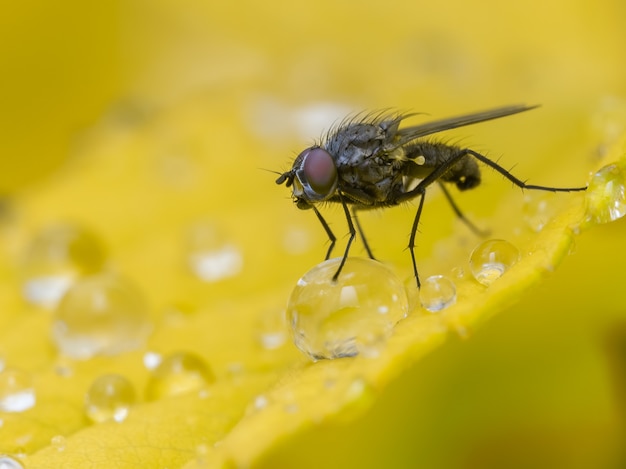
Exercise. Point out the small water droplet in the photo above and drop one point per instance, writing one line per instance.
(335, 319)
(491, 259)
(100, 315)
(7, 462)
(296, 240)
(151, 360)
(536, 210)
(210, 256)
(606, 195)
(260, 402)
(55, 258)
(17, 392)
(58, 442)
(178, 373)
(272, 329)
(437, 293)
(110, 397)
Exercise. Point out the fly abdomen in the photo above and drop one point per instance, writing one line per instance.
(427, 156)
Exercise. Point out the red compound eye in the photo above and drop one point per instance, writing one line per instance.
(320, 171)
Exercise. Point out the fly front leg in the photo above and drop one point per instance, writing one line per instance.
(329, 233)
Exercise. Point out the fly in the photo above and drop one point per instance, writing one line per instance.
(369, 162)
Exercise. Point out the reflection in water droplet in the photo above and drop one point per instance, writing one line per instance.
(437, 293)
(110, 397)
(178, 373)
(55, 258)
(606, 195)
(210, 256)
(7, 462)
(58, 442)
(100, 315)
(17, 392)
(338, 319)
(491, 259)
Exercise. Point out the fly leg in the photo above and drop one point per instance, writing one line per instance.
(358, 227)
(473, 228)
(329, 233)
(412, 238)
(352, 236)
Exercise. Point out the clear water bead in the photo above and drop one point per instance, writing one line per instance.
(437, 293)
(100, 315)
(178, 373)
(110, 397)
(491, 259)
(17, 391)
(7, 462)
(210, 256)
(339, 319)
(606, 195)
(55, 258)
(58, 441)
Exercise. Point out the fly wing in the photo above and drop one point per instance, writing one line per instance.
(408, 134)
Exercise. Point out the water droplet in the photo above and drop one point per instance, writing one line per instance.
(17, 392)
(55, 258)
(272, 329)
(211, 257)
(437, 293)
(336, 319)
(260, 402)
(178, 373)
(536, 210)
(151, 360)
(100, 315)
(491, 259)
(58, 442)
(606, 195)
(110, 397)
(296, 240)
(7, 462)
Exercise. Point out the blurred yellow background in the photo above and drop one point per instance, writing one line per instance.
(138, 118)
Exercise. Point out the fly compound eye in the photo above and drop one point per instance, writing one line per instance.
(320, 171)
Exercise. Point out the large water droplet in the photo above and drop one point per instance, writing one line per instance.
(110, 397)
(491, 259)
(178, 373)
(55, 258)
(100, 315)
(17, 392)
(7, 462)
(211, 257)
(437, 293)
(606, 195)
(339, 319)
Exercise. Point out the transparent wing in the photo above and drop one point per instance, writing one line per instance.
(407, 134)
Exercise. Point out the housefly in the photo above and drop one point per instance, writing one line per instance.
(368, 162)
